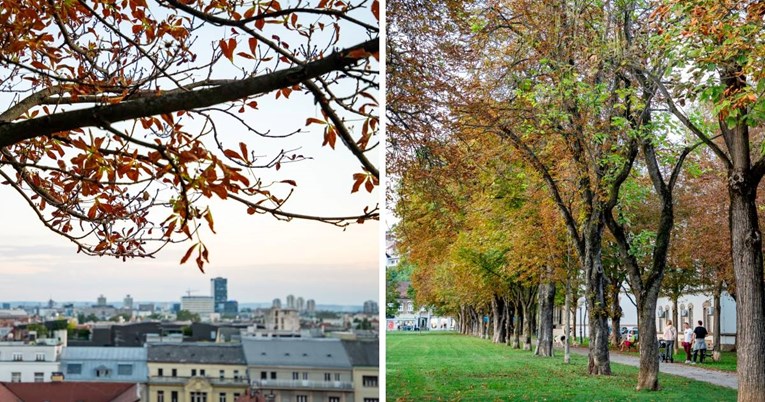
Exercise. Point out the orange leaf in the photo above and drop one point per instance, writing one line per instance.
(231, 154)
(376, 9)
(188, 254)
(228, 48)
(313, 120)
(253, 42)
(209, 219)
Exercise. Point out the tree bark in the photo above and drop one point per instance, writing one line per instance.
(517, 326)
(567, 330)
(546, 305)
(598, 361)
(498, 310)
(526, 325)
(675, 321)
(615, 311)
(508, 321)
(648, 376)
(716, 328)
(750, 307)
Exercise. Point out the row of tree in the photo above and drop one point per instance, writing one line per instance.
(514, 123)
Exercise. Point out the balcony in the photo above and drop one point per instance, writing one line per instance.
(302, 384)
(167, 380)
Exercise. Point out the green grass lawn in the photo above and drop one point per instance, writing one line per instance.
(727, 359)
(452, 367)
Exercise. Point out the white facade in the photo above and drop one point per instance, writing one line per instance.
(202, 305)
(690, 308)
(283, 320)
(28, 363)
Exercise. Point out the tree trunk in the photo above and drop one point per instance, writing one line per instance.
(567, 330)
(675, 318)
(716, 329)
(508, 322)
(546, 306)
(746, 242)
(599, 362)
(527, 325)
(517, 327)
(648, 375)
(616, 314)
(498, 310)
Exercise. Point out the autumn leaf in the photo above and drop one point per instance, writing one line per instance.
(227, 47)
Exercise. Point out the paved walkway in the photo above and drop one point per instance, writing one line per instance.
(722, 378)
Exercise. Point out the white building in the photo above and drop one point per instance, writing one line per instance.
(283, 320)
(690, 308)
(27, 362)
(202, 305)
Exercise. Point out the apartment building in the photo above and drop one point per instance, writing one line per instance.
(196, 372)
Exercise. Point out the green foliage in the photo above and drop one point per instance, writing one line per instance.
(185, 315)
(41, 329)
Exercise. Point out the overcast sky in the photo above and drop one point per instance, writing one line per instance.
(262, 259)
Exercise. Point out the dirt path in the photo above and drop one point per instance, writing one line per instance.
(722, 378)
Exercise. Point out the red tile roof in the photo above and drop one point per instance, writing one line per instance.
(69, 391)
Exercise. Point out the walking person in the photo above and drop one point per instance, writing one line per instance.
(700, 344)
(687, 338)
(670, 335)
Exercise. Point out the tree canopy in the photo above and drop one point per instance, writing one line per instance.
(120, 120)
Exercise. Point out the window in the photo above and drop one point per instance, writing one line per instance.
(193, 372)
(39, 377)
(222, 374)
(305, 375)
(369, 380)
(236, 395)
(103, 372)
(17, 357)
(173, 396)
(198, 396)
(263, 375)
(295, 375)
(236, 375)
(40, 357)
(74, 368)
(371, 400)
(16, 377)
(160, 396)
(334, 399)
(160, 373)
(327, 376)
(302, 398)
(202, 372)
(175, 373)
(337, 376)
(222, 397)
(124, 369)
(273, 375)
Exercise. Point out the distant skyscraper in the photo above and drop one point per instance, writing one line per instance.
(277, 303)
(219, 293)
(128, 302)
(370, 307)
(310, 306)
(300, 304)
(101, 300)
(290, 301)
